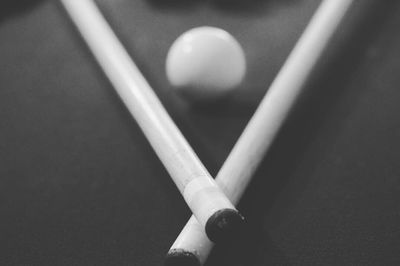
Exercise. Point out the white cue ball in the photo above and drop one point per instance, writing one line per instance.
(205, 63)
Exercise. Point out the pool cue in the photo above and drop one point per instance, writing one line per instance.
(192, 246)
(206, 200)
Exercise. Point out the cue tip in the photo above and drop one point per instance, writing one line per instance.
(224, 225)
(181, 257)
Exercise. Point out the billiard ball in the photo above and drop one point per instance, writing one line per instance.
(205, 64)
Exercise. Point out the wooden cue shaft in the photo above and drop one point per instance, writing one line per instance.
(263, 127)
(199, 189)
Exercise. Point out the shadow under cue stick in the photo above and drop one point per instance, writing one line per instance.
(206, 200)
(192, 246)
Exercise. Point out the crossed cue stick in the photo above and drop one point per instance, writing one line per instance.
(211, 201)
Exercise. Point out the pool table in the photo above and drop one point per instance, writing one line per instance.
(80, 184)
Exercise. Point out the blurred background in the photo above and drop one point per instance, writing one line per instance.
(80, 185)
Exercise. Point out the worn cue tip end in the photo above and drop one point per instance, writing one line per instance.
(180, 257)
(224, 225)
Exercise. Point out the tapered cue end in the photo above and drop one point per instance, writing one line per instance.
(180, 257)
(224, 225)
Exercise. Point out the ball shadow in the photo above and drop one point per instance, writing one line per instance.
(173, 4)
(9, 8)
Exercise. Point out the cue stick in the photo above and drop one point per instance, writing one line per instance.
(192, 246)
(206, 200)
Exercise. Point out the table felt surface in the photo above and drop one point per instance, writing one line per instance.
(80, 185)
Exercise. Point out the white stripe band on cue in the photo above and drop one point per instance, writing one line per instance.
(204, 195)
